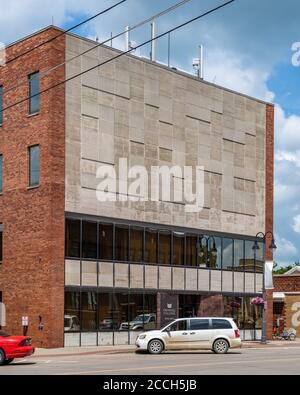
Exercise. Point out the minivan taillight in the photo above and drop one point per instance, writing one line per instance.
(237, 334)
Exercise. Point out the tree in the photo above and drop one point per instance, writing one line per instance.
(282, 270)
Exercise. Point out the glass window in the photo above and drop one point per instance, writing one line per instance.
(239, 255)
(191, 250)
(106, 242)
(178, 248)
(215, 253)
(227, 254)
(202, 252)
(138, 320)
(34, 90)
(105, 313)
(121, 243)
(89, 311)
(89, 240)
(72, 238)
(199, 325)
(34, 166)
(121, 311)
(249, 256)
(165, 248)
(136, 244)
(72, 311)
(151, 246)
(178, 326)
(1, 173)
(259, 259)
(233, 308)
(221, 324)
(1, 105)
(1, 243)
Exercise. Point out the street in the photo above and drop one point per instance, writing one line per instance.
(268, 361)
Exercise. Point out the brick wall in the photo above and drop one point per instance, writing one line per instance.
(269, 206)
(32, 273)
(286, 283)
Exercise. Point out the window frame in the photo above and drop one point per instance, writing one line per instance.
(30, 184)
(33, 96)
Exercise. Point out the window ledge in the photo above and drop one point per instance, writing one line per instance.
(33, 187)
(35, 114)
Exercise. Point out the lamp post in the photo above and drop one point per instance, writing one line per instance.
(256, 248)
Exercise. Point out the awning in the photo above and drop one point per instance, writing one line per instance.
(278, 296)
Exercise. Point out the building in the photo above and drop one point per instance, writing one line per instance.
(286, 296)
(85, 272)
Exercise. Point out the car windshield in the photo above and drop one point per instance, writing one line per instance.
(4, 334)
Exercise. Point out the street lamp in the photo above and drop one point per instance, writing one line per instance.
(272, 248)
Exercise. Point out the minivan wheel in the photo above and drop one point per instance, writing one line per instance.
(155, 347)
(221, 346)
(2, 357)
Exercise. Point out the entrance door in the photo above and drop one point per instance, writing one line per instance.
(178, 336)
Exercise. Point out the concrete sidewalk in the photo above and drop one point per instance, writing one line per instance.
(106, 350)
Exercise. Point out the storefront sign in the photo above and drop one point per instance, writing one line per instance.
(169, 309)
(25, 321)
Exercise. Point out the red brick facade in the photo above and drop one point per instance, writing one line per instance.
(269, 206)
(32, 273)
(287, 283)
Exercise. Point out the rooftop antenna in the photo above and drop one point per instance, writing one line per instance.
(52, 20)
(198, 63)
(153, 42)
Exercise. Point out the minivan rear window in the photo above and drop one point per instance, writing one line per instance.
(199, 325)
(221, 324)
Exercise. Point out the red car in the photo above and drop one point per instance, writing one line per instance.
(12, 347)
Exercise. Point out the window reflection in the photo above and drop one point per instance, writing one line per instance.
(227, 254)
(72, 312)
(151, 246)
(73, 238)
(121, 243)
(105, 242)
(191, 250)
(136, 244)
(178, 248)
(88, 311)
(238, 255)
(89, 240)
(249, 257)
(164, 248)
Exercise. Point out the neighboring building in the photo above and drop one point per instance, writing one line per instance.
(86, 272)
(286, 296)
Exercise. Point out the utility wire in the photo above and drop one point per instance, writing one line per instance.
(66, 31)
(120, 55)
(156, 16)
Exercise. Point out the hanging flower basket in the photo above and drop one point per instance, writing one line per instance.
(258, 301)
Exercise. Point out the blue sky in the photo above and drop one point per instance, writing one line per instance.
(247, 48)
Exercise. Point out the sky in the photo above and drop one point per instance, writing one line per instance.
(248, 48)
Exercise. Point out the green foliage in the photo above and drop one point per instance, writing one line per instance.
(282, 270)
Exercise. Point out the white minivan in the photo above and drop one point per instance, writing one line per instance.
(216, 334)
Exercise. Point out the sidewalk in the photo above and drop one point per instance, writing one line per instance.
(106, 350)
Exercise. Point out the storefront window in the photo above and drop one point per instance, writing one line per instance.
(151, 246)
(121, 243)
(249, 257)
(165, 248)
(107, 323)
(150, 308)
(227, 254)
(72, 238)
(191, 250)
(136, 244)
(89, 311)
(178, 248)
(239, 255)
(72, 312)
(89, 240)
(121, 311)
(105, 242)
(203, 252)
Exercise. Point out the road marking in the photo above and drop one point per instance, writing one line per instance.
(181, 366)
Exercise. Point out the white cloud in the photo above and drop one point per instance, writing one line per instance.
(286, 251)
(296, 225)
(287, 131)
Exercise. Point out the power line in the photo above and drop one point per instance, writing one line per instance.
(120, 55)
(156, 16)
(66, 31)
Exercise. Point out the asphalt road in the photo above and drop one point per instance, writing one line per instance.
(271, 361)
